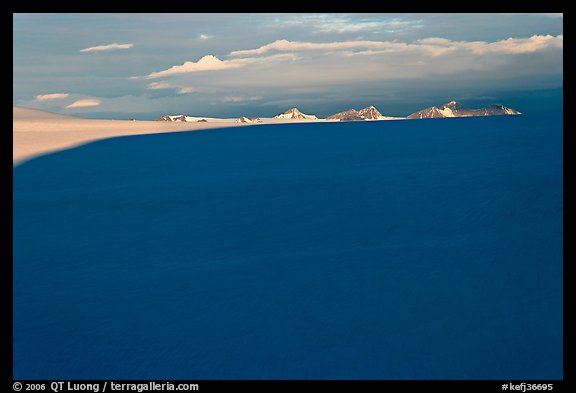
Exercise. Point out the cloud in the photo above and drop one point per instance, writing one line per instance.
(507, 46)
(340, 24)
(186, 90)
(432, 46)
(296, 46)
(84, 103)
(159, 86)
(53, 96)
(281, 67)
(212, 63)
(100, 48)
(206, 63)
(165, 85)
(239, 99)
(286, 46)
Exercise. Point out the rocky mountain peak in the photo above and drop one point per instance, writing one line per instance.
(453, 105)
(294, 113)
(368, 113)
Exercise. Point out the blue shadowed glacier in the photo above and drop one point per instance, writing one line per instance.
(423, 249)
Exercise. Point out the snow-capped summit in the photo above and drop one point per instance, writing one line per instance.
(455, 109)
(244, 119)
(172, 118)
(294, 113)
(368, 113)
(500, 108)
(350, 114)
(182, 118)
(193, 119)
(453, 105)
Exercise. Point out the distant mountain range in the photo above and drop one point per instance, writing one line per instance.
(450, 109)
(455, 109)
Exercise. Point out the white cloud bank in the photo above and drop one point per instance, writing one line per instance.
(315, 65)
(53, 96)
(206, 63)
(212, 63)
(100, 48)
(433, 46)
(507, 46)
(83, 103)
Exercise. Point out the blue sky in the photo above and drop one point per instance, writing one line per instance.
(228, 65)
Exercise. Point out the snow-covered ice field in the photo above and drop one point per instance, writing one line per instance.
(37, 132)
(423, 249)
